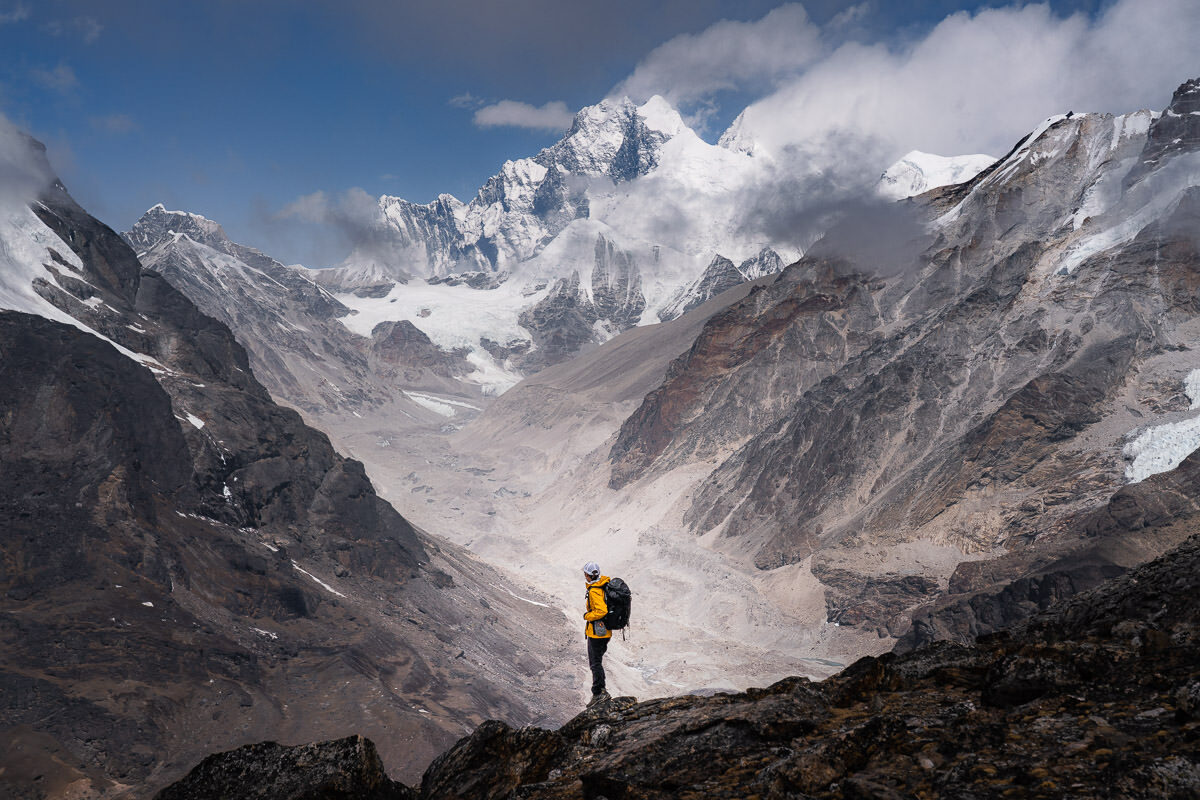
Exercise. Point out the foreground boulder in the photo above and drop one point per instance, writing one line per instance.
(338, 770)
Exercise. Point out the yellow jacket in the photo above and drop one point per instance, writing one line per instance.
(596, 607)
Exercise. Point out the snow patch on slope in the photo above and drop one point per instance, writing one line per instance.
(1191, 387)
(1146, 202)
(25, 242)
(1162, 448)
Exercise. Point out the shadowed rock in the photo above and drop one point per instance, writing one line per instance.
(345, 769)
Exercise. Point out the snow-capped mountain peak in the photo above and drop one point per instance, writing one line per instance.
(659, 115)
(158, 222)
(615, 138)
(919, 172)
(737, 139)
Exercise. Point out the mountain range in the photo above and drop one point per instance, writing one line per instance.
(188, 565)
(952, 410)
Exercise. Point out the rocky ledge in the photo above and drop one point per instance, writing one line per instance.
(1097, 698)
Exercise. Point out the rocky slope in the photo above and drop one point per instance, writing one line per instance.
(291, 327)
(187, 566)
(975, 394)
(1098, 698)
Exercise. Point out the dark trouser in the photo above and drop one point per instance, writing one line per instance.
(596, 649)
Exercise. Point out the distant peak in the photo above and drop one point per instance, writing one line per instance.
(159, 209)
(659, 115)
(161, 224)
(918, 172)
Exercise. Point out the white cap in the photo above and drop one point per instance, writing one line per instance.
(591, 569)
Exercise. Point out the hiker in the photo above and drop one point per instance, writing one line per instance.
(595, 630)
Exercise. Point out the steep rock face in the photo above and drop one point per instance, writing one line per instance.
(718, 276)
(290, 325)
(187, 566)
(616, 287)
(1175, 132)
(1099, 697)
(780, 339)
(569, 318)
(952, 399)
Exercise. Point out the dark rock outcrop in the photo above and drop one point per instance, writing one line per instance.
(984, 597)
(1177, 131)
(401, 351)
(345, 769)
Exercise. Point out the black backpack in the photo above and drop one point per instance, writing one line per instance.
(619, 599)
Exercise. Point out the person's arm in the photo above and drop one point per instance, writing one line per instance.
(596, 603)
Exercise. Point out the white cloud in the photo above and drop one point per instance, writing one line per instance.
(59, 79)
(554, 116)
(86, 28)
(466, 100)
(310, 208)
(351, 220)
(690, 68)
(19, 13)
(24, 170)
(978, 82)
(839, 112)
(114, 123)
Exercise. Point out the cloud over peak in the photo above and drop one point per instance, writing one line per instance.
(553, 116)
(727, 55)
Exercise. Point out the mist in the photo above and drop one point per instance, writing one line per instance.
(24, 170)
(331, 227)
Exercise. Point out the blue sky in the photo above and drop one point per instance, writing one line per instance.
(235, 109)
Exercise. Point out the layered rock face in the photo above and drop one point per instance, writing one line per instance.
(973, 393)
(188, 567)
(1098, 698)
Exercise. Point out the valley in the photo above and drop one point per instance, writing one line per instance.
(916, 447)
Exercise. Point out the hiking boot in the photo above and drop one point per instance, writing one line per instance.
(603, 697)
